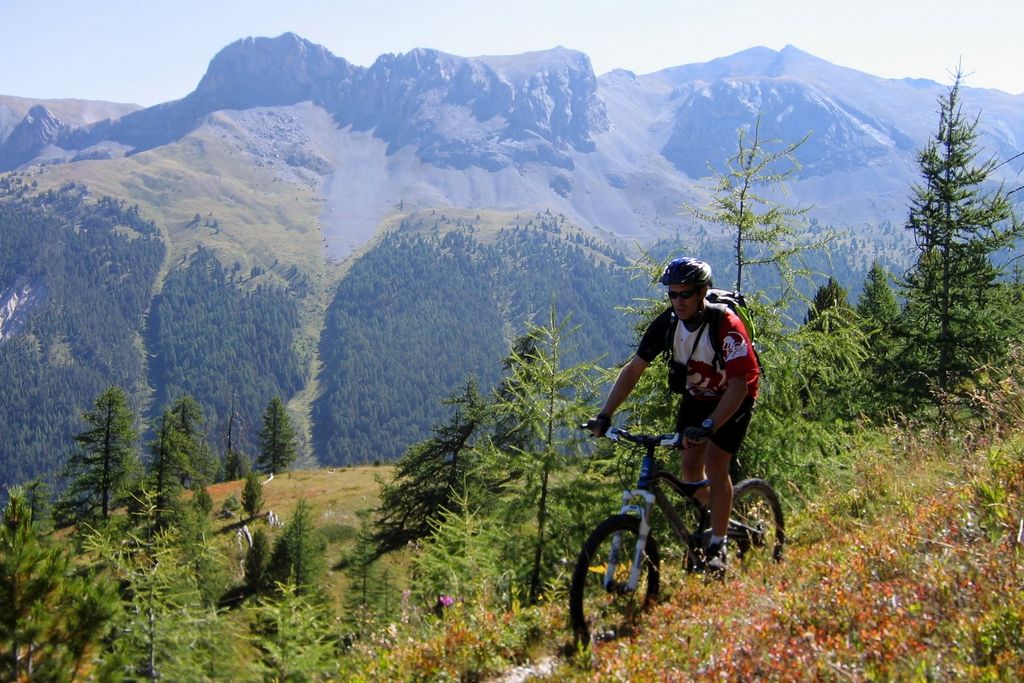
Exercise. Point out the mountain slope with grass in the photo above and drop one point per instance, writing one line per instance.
(905, 564)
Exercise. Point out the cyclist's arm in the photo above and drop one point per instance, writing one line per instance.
(732, 399)
(629, 375)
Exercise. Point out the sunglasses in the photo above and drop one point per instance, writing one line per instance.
(684, 295)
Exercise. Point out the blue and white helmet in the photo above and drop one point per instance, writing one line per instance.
(687, 271)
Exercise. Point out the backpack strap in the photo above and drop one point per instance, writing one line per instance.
(709, 324)
(713, 319)
(670, 336)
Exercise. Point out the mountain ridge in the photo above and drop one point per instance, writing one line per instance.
(611, 151)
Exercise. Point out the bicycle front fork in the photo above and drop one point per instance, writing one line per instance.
(630, 505)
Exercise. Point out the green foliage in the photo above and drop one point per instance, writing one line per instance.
(252, 494)
(956, 319)
(257, 562)
(830, 300)
(278, 445)
(419, 314)
(764, 232)
(237, 465)
(229, 348)
(202, 465)
(106, 462)
(370, 601)
(878, 311)
(541, 395)
(427, 478)
(168, 629)
(295, 636)
(169, 466)
(877, 304)
(82, 272)
(464, 559)
(298, 556)
(52, 619)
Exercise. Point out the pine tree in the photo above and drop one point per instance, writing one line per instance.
(428, 476)
(952, 323)
(236, 465)
(106, 462)
(538, 399)
(168, 631)
(169, 466)
(830, 300)
(464, 557)
(367, 601)
(257, 562)
(764, 231)
(877, 304)
(298, 556)
(878, 312)
(278, 447)
(200, 465)
(252, 495)
(294, 636)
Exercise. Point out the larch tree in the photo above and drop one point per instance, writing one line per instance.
(52, 619)
(298, 556)
(252, 495)
(431, 474)
(105, 462)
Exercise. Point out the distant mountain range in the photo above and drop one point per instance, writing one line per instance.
(621, 153)
(304, 227)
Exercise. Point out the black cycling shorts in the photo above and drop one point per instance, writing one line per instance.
(729, 436)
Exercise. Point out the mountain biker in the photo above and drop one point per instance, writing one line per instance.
(717, 401)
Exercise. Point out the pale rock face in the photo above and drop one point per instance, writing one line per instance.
(15, 305)
(619, 152)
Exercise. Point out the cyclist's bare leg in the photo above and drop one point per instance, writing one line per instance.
(691, 468)
(716, 462)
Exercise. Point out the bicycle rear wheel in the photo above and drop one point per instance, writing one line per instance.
(756, 528)
(599, 612)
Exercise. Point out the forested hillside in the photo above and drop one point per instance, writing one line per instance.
(76, 276)
(227, 345)
(425, 310)
(434, 303)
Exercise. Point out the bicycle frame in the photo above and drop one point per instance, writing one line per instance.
(649, 492)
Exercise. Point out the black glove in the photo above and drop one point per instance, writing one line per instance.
(600, 424)
(696, 434)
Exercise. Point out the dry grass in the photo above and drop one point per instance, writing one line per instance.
(336, 497)
(913, 574)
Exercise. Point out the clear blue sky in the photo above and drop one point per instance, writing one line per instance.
(151, 51)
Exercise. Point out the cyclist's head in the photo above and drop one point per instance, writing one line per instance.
(687, 271)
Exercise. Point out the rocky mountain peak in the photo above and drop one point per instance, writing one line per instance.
(39, 128)
(271, 71)
(535, 106)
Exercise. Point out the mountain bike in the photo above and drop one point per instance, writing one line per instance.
(618, 570)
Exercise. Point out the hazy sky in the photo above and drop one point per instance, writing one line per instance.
(151, 51)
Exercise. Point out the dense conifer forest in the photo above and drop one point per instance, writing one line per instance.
(83, 269)
(421, 313)
(227, 346)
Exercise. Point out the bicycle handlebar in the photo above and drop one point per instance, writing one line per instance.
(617, 433)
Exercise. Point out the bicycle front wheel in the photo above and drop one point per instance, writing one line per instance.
(756, 528)
(601, 606)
